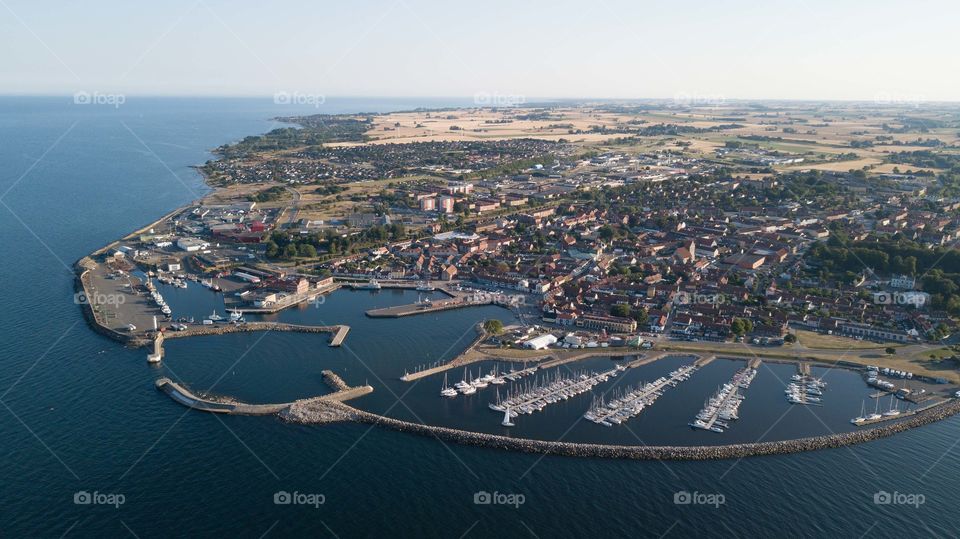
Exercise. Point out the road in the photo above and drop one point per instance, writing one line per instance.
(294, 207)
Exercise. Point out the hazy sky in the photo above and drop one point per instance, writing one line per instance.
(824, 49)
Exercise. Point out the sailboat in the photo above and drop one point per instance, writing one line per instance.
(465, 386)
(480, 382)
(894, 408)
(861, 418)
(447, 391)
(876, 413)
(506, 418)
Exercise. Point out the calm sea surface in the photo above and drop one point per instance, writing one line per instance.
(79, 412)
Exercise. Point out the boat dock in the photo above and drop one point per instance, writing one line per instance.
(633, 402)
(805, 389)
(725, 405)
(539, 397)
(702, 361)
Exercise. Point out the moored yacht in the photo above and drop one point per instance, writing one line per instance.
(860, 418)
(447, 391)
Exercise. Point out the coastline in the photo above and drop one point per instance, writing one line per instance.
(319, 410)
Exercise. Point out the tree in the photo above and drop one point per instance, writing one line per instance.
(493, 326)
(606, 233)
(741, 326)
(307, 251)
(790, 338)
(272, 249)
(890, 350)
(290, 251)
(621, 309)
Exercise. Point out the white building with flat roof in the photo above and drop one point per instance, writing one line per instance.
(541, 342)
(192, 244)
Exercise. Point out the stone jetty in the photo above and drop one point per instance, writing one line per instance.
(223, 405)
(326, 412)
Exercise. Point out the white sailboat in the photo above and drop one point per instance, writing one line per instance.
(506, 418)
(894, 408)
(860, 418)
(447, 391)
(876, 413)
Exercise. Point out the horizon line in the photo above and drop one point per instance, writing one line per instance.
(891, 100)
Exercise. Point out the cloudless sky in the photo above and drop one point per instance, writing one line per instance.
(792, 49)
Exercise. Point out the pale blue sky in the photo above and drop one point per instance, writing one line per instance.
(794, 49)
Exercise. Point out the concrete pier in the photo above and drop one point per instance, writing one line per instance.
(423, 308)
(338, 333)
(703, 361)
(157, 354)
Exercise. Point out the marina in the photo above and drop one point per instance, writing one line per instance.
(634, 401)
(805, 389)
(538, 395)
(724, 406)
(469, 384)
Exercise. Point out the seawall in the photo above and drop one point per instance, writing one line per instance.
(731, 451)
